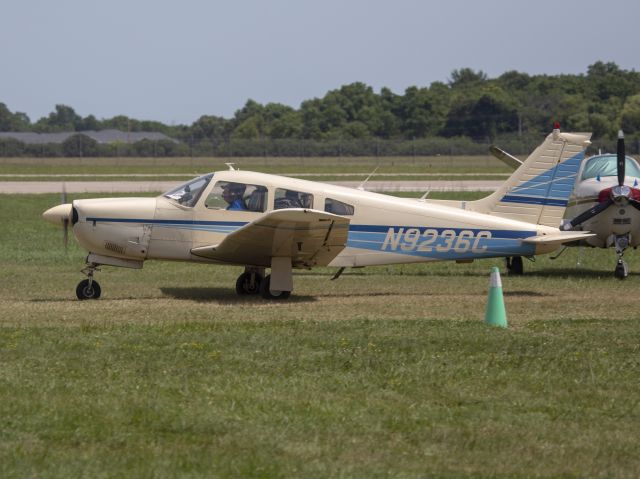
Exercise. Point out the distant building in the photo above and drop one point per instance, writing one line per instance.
(102, 136)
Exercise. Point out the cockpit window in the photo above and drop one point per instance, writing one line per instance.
(338, 207)
(188, 194)
(292, 199)
(605, 165)
(229, 195)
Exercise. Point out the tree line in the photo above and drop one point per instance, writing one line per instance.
(468, 111)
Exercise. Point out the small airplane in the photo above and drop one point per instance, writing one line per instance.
(262, 221)
(606, 201)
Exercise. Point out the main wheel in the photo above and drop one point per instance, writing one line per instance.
(86, 291)
(244, 285)
(622, 271)
(514, 265)
(266, 293)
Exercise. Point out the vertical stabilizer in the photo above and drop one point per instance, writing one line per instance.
(538, 191)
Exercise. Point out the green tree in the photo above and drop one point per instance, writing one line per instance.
(606, 80)
(423, 111)
(466, 77)
(79, 145)
(209, 127)
(482, 113)
(630, 115)
(64, 118)
(89, 123)
(13, 121)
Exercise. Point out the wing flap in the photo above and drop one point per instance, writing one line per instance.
(308, 237)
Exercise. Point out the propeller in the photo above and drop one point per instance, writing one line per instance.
(621, 158)
(65, 220)
(609, 196)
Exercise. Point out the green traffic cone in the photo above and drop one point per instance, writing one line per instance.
(495, 314)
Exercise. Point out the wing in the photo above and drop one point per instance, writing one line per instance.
(308, 237)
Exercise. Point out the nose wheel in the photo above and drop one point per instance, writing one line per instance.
(88, 288)
(622, 270)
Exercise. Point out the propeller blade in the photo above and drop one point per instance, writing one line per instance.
(65, 233)
(621, 158)
(65, 221)
(590, 213)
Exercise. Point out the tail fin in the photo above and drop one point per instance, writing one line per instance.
(538, 191)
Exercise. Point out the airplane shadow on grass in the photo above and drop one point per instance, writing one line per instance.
(542, 273)
(224, 295)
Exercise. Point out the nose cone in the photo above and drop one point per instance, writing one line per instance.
(58, 214)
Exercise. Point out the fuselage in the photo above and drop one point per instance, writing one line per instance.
(382, 230)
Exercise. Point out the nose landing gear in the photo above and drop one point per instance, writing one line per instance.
(621, 243)
(88, 288)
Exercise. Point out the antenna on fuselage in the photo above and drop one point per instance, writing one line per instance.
(230, 165)
(424, 197)
(361, 186)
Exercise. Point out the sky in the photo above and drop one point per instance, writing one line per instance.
(175, 61)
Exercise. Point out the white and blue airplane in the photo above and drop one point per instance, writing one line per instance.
(606, 201)
(262, 221)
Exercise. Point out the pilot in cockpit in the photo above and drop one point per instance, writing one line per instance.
(233, 194)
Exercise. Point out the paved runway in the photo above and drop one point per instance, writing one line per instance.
(35, 187)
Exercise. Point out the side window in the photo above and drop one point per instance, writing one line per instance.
(338, 207)
(228, 195)
(292, 199)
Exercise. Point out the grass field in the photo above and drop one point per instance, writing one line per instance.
(385, 372)
(358, 166)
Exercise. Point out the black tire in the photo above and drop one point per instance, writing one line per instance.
(266, 293)
(621, 271)
(514, 265)
(83, 291)
(243, 284)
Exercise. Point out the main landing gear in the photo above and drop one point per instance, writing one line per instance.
(253, 281)
(88, 288)
(514, 265)
(250, 281)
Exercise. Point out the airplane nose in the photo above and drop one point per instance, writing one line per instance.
(58, 214)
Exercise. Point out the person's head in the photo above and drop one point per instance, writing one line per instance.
(233, 191)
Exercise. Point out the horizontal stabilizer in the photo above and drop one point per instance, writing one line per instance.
(505, 157)
(308, 237)
(559, 238)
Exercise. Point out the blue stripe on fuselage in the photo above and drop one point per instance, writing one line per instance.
(373, 237)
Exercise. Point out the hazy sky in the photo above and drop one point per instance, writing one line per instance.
(174, 61)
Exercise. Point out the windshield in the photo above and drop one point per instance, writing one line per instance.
(605, 165)
(188, 194)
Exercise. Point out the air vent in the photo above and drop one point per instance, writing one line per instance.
(116, 248)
